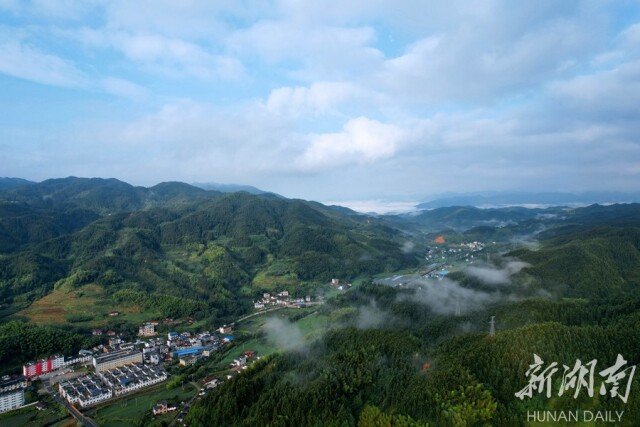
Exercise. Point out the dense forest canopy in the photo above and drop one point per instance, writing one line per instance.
(561, 282)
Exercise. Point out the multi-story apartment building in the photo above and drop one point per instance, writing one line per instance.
(42, 366)
(116, 359)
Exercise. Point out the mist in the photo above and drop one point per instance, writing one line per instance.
(445, 296)
(284, 334)
(491, 275)
(370, 316)
(408, 246)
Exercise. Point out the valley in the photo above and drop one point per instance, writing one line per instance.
(351, 319)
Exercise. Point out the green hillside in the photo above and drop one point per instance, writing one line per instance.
(416, 367)
(599, 262)
(179, 241)
(74, 250)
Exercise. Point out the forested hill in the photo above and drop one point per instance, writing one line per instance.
(391, 358)
(214, 251)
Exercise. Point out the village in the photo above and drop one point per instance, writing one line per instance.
(125, 365)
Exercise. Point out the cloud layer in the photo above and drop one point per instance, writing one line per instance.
(324, 100)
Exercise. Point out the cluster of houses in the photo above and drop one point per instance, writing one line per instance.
(119, 366)
(104, 384)
(460, 251)
(122, 367)
(85, 391)
(128, 378)
(189, 349)
(12, 387)
(241, 362)
(282, 298)
(119, 369)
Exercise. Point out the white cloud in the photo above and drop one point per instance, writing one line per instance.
(27, 62)
(313, 51)
(408, 97)
(616, 90)
(490, 275)
(478, 66)
(318, 98)
(124, 88)
(185, 20)
(362, 141)
(378, 206)
(168, 56)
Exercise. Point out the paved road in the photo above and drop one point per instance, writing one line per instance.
(259, 313)
(276, 308)
(88, 422)
(197, 387)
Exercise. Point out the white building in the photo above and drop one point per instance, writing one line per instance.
(147, 330)
(84, 391)
(116, 359)
(132, 377)
(11, 400)
(83, 359)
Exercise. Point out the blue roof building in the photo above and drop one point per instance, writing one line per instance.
(187, 351)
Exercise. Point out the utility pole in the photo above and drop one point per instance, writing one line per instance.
(492, 328)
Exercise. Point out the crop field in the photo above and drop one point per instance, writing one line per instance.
(57, 306)
(86, 307)
(313, 325)
(274, 282)
(31, 417)
(261, 346)
(123, 412)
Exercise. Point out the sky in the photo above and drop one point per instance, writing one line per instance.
(327, 100)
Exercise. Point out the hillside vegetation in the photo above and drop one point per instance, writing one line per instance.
(415, 367)
(199, 253)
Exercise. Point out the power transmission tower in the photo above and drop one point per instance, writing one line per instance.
(492, 328)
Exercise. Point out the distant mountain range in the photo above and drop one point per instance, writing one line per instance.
(12, 182)
(479, 200)
(494, 200)
(229, 188)
(6, 182)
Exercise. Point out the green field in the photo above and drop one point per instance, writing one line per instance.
(260, 345)
(249, 334)
(313, 325)
(31, 417)
(89, 304)
(123, 412)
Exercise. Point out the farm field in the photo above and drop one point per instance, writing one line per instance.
(31, 417)
(84, 307)
(123, 412)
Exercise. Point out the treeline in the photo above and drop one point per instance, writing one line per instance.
(596, 262)
(350, 377)
(21, 342)
(417, 366)
(146, 241)
(165, 305)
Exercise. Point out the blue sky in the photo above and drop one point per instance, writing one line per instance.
(325, 100)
